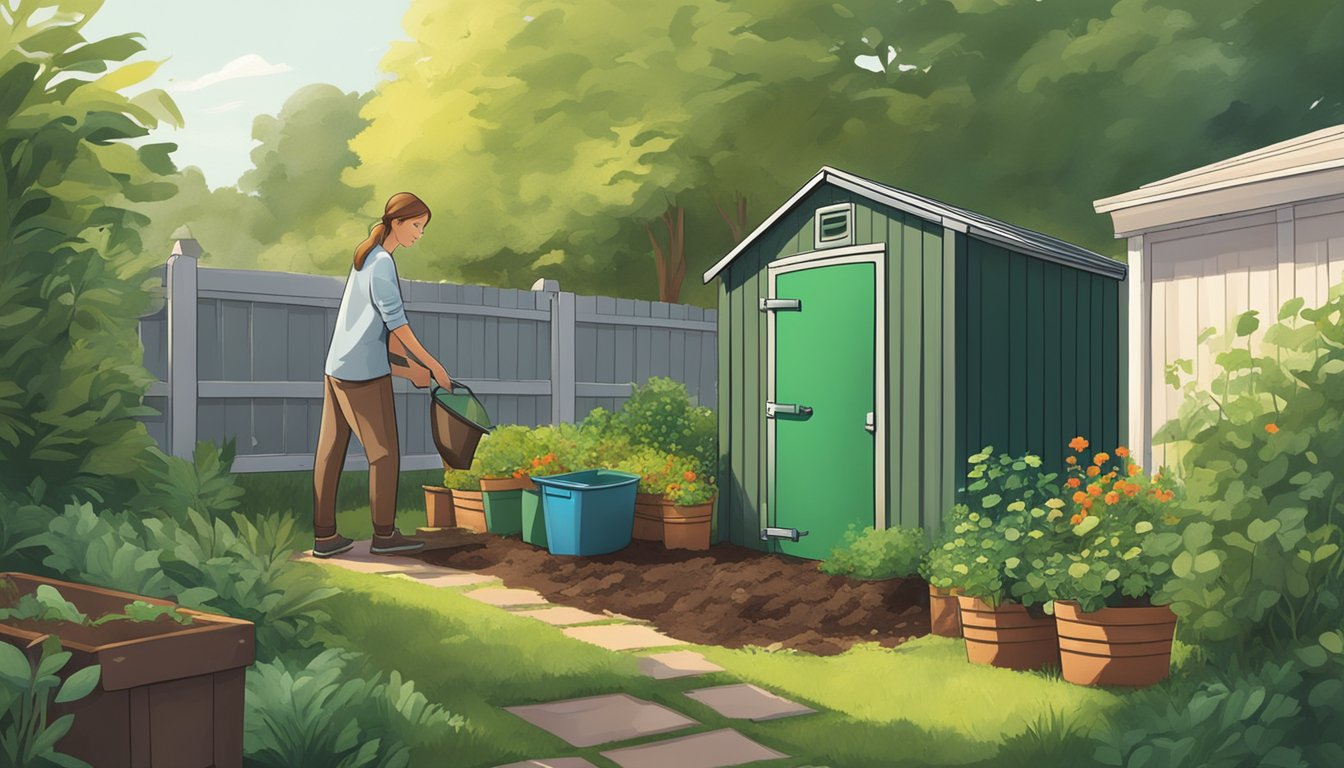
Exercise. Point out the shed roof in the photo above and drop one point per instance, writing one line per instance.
(959, 219)
(1298, 169)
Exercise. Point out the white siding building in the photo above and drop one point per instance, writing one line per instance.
(1246, 233)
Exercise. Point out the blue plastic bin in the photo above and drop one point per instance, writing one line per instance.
(588, 513)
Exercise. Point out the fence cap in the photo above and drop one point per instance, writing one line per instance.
(542, 284)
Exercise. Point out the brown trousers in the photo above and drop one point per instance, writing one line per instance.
(367, 407)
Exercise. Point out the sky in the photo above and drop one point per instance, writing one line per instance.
(229, 62)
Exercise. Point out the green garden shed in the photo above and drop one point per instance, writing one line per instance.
(871, 339)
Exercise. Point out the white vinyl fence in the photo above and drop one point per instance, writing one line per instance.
(240, 354)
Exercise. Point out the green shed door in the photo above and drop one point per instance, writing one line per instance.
(825, 360)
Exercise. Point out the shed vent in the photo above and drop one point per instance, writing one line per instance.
(835, 225)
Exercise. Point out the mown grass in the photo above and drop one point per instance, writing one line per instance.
(916, 705)
(292, 493)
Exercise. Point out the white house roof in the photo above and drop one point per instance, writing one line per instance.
(1303, 168)
(959, 219)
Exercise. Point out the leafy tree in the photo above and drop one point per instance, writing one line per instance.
(72, 270)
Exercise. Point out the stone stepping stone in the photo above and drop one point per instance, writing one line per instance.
(716, 749)
(446, 578)
(503, 597)
(669, 666)
(747, 702)
(603, 719)
(622, 637)
(559, 762)
(563, 616)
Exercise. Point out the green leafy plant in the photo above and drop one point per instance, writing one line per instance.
(206, 484)
(76, 277)
(556, 450)
(324, 714)
(141, 611)
(28, 688)
(874, 554)
(1259, 566)
(46, 603)
(660, 415)
(1120, 542)
(506, 452)
(991, 541)
(463, 479)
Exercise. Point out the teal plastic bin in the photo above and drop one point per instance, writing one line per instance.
(588, 513)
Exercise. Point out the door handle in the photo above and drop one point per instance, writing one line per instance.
(870, 424)
(790, 408)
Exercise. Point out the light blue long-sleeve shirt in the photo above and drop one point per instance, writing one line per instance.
(371, 308)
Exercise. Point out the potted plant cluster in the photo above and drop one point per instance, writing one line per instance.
(1010, 506)
(674, 503)
(1104, 568)
(1046, 573)
(555, 453)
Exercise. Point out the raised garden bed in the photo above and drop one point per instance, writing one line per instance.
(727, 596)
(169, 693)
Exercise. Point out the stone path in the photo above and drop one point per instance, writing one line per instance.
(610, 718)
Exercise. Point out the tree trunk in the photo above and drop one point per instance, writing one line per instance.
(670, 261)
(737, 222)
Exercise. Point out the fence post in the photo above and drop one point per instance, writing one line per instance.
(562, 351)
(182, 385)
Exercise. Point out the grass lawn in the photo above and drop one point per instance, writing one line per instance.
(917, 704)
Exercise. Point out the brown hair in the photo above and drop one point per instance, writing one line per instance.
(402, 205)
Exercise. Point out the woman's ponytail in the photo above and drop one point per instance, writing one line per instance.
(376, 237)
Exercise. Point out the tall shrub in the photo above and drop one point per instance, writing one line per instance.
(73, 274)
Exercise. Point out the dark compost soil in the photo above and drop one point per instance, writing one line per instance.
(727, 596)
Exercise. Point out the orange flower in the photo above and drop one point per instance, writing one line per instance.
(1078, 444)
(1093, 471)
(1122, 452)
(1087, 504)
(688, 475)
(1132, 490)
(1071, 460)
(1079, 497)
(1271, 428)
(1076, 519)
(1134, 469)
(1073, 482)
(1094, 489)
(1101, 458)
(1112, 498)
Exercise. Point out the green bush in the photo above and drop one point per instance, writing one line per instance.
(170, 486)
(660, 415)
(241, 570)
(1259, 567)
(75, 275)
(874, 554)
(28, 687)
(324, 714)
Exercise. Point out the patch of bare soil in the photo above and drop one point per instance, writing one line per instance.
(727, 596)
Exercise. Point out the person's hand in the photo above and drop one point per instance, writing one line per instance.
(441, 376)
(419, 376)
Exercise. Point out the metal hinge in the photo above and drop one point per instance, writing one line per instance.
(782, 305)
(792, 534)
(790, 408)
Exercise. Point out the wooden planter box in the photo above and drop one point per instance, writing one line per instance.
(168, 695)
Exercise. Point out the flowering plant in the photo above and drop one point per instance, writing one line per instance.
(555, 451)
(506, 452)
(1119, 543)
(672, 477)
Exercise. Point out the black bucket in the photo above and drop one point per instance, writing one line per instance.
(457, 421)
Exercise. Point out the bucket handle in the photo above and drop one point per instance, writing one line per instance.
(456, 386)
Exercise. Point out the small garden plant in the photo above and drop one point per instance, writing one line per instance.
(874, 554)
(28, 688)
(46, 603)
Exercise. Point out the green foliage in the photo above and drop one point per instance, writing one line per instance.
(1120, 542)
(1259, 565)
(506, 452)
(323, 715)
(28, 687)
(240, 569)
(556, 450)
(46, 603)
(141, 611)
(73, 279)
(991, 543)
(463, 479)
(171, 486)
(874, 554)
(660, 415)
(1274, 716)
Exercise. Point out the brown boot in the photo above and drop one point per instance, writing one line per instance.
(393, 544)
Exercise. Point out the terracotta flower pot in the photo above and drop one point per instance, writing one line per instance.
(650, 510)
(438, 507)
(944, 615)
(688, 527)
(469, 510)
(1114, 646)
(1007, 636)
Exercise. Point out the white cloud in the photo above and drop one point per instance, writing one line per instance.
(226, 107)
(250, 65)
